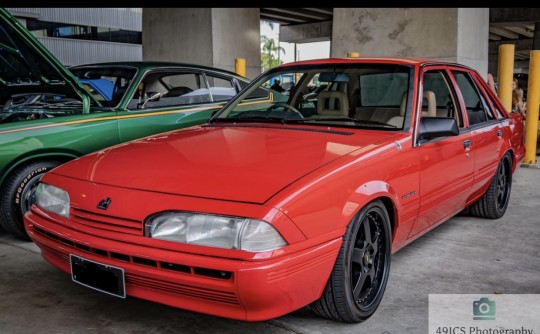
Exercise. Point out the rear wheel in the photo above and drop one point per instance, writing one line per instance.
(357, 283)
(494, 202)
(17, 195)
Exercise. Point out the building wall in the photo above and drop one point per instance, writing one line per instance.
(205, 36)
(178, 34)
(121, 18)
(459, 35)
(473, 38)
(390, 32)
(236, 34)
(77, 52)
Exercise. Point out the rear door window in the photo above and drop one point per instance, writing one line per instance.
(478, 110)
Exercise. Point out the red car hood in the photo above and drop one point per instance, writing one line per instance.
(247, 163)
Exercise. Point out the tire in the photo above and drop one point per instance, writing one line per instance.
(494, 202)
(359, 255)
(17, 195)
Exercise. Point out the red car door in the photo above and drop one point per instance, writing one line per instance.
(486, 131)
(446, 163)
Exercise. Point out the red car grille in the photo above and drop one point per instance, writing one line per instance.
(64, 257)
(186, 290)
(104, 222)
(142, 281)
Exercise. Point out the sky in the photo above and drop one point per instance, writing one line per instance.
(304, 51)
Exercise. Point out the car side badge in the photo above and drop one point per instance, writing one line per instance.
(398, 146)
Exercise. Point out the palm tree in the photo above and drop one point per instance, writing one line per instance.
(268, 49)
(269, 23)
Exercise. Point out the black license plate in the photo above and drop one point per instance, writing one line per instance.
(98, 276)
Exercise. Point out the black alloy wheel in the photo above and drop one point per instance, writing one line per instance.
(494, 202)
(357, 282)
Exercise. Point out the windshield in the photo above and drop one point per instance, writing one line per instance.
(108, 84)
(357, 95)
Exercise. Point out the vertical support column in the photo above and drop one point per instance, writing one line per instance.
(449, 34)
(536, 36)
(506, 74)
(533, 105)
(240, 66)
(204, 36)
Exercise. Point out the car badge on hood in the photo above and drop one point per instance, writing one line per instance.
(104, 203)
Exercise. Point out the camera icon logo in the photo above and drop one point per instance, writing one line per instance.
(484, 309)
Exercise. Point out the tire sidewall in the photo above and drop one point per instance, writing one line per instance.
(16, 183)
(358, 312)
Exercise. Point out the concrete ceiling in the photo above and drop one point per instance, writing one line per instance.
(513, 26)
(286, 16)
(510, 35)
(506, 25)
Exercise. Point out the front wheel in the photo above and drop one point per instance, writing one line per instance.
(357, 282)
(17, 195)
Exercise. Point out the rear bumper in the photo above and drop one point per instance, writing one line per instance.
(231, 288)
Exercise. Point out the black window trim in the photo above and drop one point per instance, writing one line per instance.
(448, 78)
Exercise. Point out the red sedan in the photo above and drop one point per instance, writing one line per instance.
(285, 199)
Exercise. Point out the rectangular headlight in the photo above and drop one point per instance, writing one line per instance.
(214, 231)
(53, 199)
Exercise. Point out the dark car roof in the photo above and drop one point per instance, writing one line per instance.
(144, 65)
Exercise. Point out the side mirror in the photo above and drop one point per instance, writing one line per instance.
(435, 127)
(154, 97)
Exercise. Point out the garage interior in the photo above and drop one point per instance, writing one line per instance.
(465, 255)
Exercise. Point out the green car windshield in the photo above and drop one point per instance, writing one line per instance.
(357, 95)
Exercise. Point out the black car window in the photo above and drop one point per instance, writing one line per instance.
(221, 89)
(477, 108)
(437, 97)
(161, 89)
(256, 94)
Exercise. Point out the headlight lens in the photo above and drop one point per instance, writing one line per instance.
(214, 231)
(52, 199)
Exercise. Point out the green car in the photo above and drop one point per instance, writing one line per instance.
(50, 115)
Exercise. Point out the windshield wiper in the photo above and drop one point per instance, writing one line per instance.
(270, 119)
(346, 119)
(63, 104)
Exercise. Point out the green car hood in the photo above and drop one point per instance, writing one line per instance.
(27, 66)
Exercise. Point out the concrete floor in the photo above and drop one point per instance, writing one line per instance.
(463, 255)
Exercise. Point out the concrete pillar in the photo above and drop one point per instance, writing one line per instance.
(205, 36)
(536, 36)
(453, 34)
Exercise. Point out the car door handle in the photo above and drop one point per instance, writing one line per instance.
(467, 144)
(499, 133)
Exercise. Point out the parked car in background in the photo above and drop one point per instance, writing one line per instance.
(49, 115)
(280, 202)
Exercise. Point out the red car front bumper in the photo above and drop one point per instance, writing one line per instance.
(231, 288)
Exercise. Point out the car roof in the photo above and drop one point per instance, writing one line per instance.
(370, 60)
(157, 64)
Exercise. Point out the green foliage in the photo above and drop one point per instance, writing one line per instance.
(270, 53)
